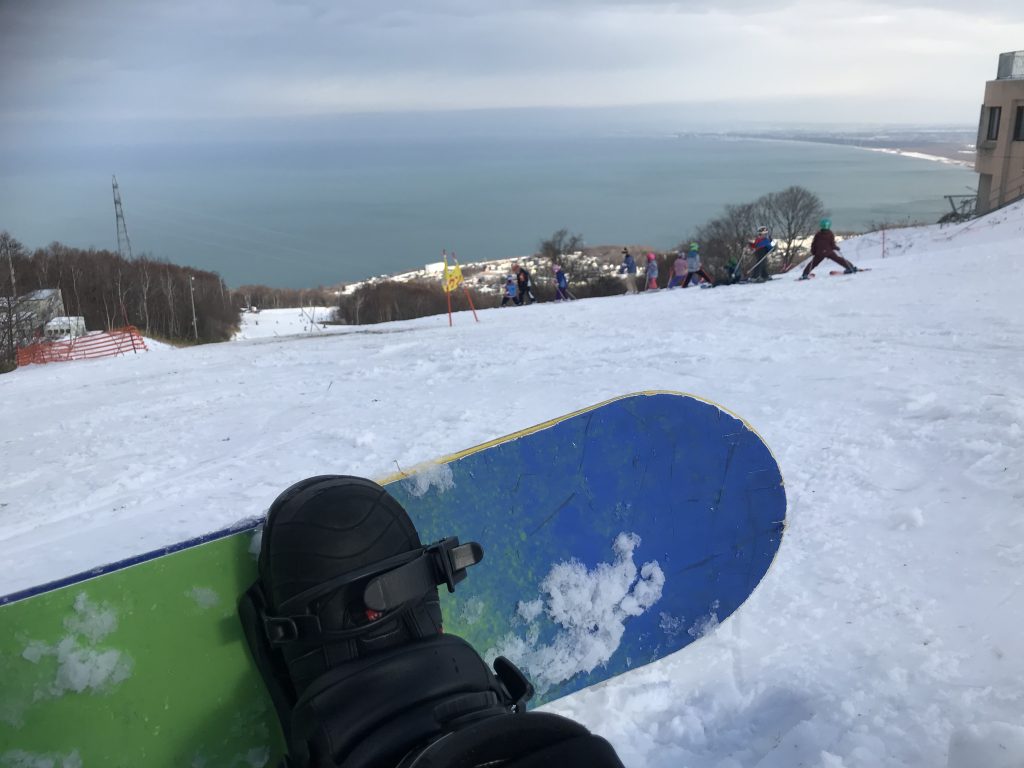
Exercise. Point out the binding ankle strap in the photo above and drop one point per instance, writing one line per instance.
(392, 584)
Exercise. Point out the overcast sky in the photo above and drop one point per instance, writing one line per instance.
(92, 62)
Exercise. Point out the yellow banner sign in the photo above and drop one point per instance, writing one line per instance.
(452, 278)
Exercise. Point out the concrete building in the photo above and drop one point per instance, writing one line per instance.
(1000, 155)
(64, 328)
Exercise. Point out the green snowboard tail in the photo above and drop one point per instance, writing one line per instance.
(614, 536)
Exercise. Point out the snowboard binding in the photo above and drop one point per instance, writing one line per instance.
(344, 624)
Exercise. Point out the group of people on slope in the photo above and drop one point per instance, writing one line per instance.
(686, 268)
(519, 288)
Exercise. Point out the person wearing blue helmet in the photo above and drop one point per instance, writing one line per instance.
(824, 246)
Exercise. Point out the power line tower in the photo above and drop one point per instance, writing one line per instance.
(124, 245)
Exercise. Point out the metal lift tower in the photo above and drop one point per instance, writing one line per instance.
(124, 245)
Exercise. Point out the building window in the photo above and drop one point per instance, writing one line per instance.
(994, 114)
(1018, 125)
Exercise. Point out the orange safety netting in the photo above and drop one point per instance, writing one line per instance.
(102, 344)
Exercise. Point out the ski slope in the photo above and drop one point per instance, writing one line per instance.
(890, 630)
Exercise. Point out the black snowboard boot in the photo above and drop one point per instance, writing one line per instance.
(345, 627)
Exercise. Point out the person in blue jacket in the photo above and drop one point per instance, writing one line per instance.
(694, 271)
(561, 284)
(628, 268)
(652, 272)
(509, 295)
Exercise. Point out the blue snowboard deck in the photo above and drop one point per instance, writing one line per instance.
(694, 483)
(613, 537)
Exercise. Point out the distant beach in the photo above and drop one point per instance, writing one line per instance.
(953, 146)
(935, 158)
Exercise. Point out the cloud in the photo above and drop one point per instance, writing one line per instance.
(193, 60)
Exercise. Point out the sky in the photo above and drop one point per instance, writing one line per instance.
(91, 70)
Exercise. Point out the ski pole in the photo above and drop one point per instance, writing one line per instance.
(747, 273)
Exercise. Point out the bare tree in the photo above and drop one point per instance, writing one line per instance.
(792, 215)
(726, 238)
(11, 320)
(560, 244)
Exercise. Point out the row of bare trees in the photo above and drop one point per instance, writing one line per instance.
(791, 215)
(265, 297)
(110, 291)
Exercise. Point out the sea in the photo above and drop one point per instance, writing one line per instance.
(324, 212)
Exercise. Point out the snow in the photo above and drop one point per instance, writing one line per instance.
(589, 607)
(81, 662)
(283, 322)
(888, 630)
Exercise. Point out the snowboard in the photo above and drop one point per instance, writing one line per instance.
(612, 536)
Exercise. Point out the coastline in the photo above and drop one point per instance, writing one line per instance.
(917, 155)
(951, 150)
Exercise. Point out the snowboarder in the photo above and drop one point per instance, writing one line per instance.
(824, 246)
(509, 295)
(344, 624)
(628, 268)
(652, 272)
(561, 284)
(524, 288)
(694, 271)
(761, 246)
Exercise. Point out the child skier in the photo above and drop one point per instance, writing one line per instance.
(652, 272)
(678, 271)
(509, 295)
(561, 284)
(524, 288)
(628, 268)
(732, 269)
(824, 246)
(761, 246)
(694, 271)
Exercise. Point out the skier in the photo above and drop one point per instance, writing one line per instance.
(694, 271)
(510, 291)
(678, 272)
(761, 246)
(524, 288)
(732, 269)
(824, 246)
(652, 272)
(628, 268)
(344, 624)
(561, 284)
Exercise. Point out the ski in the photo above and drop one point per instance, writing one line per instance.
(835, 272)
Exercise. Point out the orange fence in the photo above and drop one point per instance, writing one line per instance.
(97, 344)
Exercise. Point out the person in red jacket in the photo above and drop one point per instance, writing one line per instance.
(761, 246)
(823, 246)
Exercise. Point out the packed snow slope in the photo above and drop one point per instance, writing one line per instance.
(890, 630)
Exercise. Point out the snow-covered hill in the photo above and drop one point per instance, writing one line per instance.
(889, 632)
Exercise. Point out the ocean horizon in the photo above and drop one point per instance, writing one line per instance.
(325, 212)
